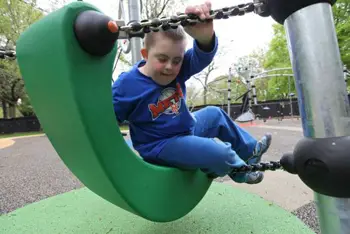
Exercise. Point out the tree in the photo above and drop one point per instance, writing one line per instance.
(11, 90)
(254, 64)
(25, 106)
(15, 17)
(278, 52)
(151, 9)
(341, 14)
(278, 55)
(203, 78)
(55, 5)
(192, 94)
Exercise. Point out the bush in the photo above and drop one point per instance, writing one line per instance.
(25, 107)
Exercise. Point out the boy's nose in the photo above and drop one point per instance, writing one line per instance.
(169, 66)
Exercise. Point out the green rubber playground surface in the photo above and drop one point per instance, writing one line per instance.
(223, 210)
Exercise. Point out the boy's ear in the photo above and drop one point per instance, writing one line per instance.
(144, 53)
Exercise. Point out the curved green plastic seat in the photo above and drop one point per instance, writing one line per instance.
(72, 97)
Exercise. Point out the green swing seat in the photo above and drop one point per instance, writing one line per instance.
(70, 91)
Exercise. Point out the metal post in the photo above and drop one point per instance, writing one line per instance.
(345, 73)
(135, 42)
(229, 92)
(322, 96)
(290, 98)
(254, 93)
(249, 86)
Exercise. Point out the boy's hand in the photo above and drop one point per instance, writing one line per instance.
(202, 32)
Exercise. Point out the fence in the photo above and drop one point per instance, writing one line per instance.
(22, 124)
(274, 109)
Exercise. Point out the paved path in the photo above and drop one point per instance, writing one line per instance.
(31, 170)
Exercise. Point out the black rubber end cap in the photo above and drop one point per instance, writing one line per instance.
(288, 163)
(92, 33)
(280, 10)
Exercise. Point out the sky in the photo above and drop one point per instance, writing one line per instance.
(238, 36)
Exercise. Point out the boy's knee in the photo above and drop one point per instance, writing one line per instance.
(214, 109)
(214, 113)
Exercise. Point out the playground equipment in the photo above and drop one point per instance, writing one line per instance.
(248, 78)
(7, 54)
(266, 75)
(74, 48)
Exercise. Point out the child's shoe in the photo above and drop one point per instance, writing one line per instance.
(261, 147)
(254, 177)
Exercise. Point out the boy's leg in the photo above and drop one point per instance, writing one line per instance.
(214, 122)
(193, 152)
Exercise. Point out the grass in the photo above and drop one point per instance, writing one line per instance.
(18, 134)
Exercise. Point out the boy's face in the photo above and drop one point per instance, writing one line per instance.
(164, 58)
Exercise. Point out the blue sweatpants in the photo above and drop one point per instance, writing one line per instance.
(201, 151)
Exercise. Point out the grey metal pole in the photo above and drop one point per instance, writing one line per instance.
(229, 92)
(275, 69)
(322, 96)
(254, 93)
(345, 73)
(135, 42)
(290, 98)
(249, 86)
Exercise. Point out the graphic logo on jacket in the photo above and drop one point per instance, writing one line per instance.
(169, 102)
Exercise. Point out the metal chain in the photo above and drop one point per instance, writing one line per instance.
(7, 54)
(263, 166)
(165, 23)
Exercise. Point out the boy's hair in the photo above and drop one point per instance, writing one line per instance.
(177, 34)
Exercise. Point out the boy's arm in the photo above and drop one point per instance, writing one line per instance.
(122, 102)
(199, 57)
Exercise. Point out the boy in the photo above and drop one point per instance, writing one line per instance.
(151, 96)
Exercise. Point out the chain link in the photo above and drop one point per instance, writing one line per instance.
(7, 54)
(165, 23)
(263, 166)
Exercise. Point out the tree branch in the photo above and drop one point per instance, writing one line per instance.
(163, 8)
(147, 11)
(197, 78)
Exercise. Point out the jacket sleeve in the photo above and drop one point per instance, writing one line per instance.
(123, 102)
(195, 59)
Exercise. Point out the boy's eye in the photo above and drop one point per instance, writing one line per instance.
(177, 61)
(162, 60)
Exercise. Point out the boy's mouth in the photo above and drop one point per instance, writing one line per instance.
(166, 74)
